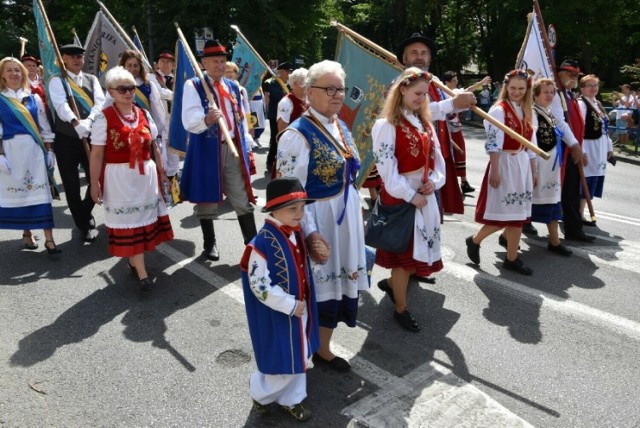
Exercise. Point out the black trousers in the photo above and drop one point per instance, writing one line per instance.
(571, 215)
(69, 155)
(273, 144)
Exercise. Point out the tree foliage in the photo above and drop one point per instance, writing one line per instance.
(601, 34)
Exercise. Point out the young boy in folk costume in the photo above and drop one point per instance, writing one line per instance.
(280, 302)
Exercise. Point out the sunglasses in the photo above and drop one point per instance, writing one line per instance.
(124, 89)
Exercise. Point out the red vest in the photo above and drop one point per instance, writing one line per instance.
(511, 120)
(126, 145)
(299, 107)
(413, 149)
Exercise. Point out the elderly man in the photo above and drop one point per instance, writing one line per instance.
(210, 168)
(566, 110)
(294, 104)
(70, 128)
(274, 89)
(418, 51)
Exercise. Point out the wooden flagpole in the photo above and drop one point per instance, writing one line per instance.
(393, 60)
(212, 102)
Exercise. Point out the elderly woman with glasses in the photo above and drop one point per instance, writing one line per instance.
(318, 150)
(124, 177)
(507, 187)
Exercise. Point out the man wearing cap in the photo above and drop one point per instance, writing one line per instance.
(70, 129)
(210, 168)
(566, 110)
(418, 51)
(274, 89)
(32, 64)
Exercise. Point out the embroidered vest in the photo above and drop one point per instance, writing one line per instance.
(413, 149)
(327, 169)
(66, 128)
(595, 124)
(126, 145)
(512, 121)
(546, 133)
(299, 107)
(11, 126)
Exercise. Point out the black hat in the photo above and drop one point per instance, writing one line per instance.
(213, 48)
(166, 55)
(570, 65)
(284, 191)
(71, 49)
(285, 66)
(415, 37)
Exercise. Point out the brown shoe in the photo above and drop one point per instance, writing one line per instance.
(298, 411)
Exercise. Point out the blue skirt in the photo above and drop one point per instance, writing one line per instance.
(546, 213)
(595, 186)
(24, 218)
(331, 312)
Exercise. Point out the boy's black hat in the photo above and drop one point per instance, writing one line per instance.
(284, 191)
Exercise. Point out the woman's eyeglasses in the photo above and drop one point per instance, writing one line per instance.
(124, 89)
(332, 90)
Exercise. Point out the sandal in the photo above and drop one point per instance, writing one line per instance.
(52, 250)
(29, 241)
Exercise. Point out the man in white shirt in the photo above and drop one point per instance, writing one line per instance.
(71, 128)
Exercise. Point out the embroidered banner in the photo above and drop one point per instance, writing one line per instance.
(533, 55)
(103, 47)
(250, 68)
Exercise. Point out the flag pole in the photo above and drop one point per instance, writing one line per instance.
(123, 33)
(394, 61)
(212, 102)
(264, 64)
(545, 38)
(63, 71)
(144, 54)
(23, 44)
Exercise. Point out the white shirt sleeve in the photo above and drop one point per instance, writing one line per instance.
(557, 112)
(192, 112)
(285, 107)
(157, 109)
(495, 136)
(440, 109)
(98, 97)
(58, 97)
(438, 175)
(272, 296)
(99, 131)
(166, 94)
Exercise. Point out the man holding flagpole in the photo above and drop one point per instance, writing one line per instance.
(418, 51)
(210, 168)
(71, 129)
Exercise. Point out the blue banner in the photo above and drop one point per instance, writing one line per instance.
(250, 68)
(47, 52)
(184, 71)
(368, 77)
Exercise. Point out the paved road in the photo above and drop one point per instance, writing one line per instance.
(80, 347)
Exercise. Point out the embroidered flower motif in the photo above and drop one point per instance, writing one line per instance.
(432, 237)
(385, 151)
(491, 145)
(132, 210)
(328, 162)
(519, 198)
(28, 185)
(551, 185)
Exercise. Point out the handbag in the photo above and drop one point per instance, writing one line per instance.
(390, 227)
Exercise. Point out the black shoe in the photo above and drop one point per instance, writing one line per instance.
(132, 269)
(473, 250)
(260, 408)
(426, 279)
(559, 249)
(338, 364)
(589, 223)
(466, 187)
(384, 286)
(92, 223)
(502, 241)
(298, 411)
(529, 229)
(212, 254)
(517, 266)
(145, 285)
(89, 236)
(406, 321)
(579, 236)
(53, 250)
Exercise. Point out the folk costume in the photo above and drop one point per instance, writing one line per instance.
(510, 203)
(277, 89)
(450, 193)
(290, 108)
(25, 195)
(406, 156)
(320, 152)
(596, 145)
(69, 149)
(546, 195)
(276, 275)
(135, 212)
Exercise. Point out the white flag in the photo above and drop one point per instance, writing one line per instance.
(533, 55)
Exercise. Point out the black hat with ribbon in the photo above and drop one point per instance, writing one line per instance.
(213, 48)
(284, 191)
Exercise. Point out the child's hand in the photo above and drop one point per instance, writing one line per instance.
(300, 309)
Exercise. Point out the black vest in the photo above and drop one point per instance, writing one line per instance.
(593, 127)
(546, 133)
(66, 128)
